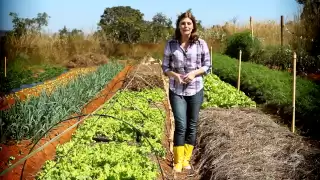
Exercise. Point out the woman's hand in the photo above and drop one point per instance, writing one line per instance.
(189, 77)
(179, 78)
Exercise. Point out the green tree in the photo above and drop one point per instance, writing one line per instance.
(23, 25)
(64, 32)
(122, 23)
(160, 26)
(310, 17)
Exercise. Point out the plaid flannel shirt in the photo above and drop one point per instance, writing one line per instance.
(180, 61)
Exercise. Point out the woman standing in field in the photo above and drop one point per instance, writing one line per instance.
(186, 60)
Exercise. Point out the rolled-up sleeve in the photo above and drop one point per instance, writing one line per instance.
(166, 59)
(206, 59)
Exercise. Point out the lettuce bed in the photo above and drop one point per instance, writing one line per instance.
(221, 94)
(126, 154)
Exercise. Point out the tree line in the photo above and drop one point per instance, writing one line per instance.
(125, 24)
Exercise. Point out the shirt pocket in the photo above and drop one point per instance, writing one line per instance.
(195, 61)
(177, 59)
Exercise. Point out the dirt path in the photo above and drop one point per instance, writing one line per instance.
(148, 76)
(238, 143)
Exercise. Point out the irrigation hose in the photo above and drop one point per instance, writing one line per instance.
(78, 120)
(47, 143)
(52, 140)
(76, 124)
(148, 100)
(69, 151)
(112, 103)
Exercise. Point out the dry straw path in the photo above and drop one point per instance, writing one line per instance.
(248, 144)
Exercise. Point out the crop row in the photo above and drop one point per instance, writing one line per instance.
(128, 142)
(273, 89)
(221, 94)
(123, 152)
(19, 72)
(50, 85)
(34, 116)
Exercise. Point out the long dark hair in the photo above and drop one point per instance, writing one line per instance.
(194, 36)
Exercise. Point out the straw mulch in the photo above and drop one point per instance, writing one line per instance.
(248, 144)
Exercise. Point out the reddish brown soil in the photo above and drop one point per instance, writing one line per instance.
(147, 76)
(315, 77)
(167, 163)
(35, 163)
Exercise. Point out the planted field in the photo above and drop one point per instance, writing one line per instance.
(30, 118)
(221, 94)
(130, 136)
(117, 147)
(273, 89)
(47, 86)
(27, 121)
(18, 75)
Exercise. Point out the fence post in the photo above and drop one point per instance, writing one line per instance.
(239, 70)
(251, 27)
(5, 66)
(294, 69)
(281, 27)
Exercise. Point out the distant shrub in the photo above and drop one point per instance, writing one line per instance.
(281, 58)
(274, 56)
(244, 42)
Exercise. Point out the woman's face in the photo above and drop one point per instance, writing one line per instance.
(186, 26)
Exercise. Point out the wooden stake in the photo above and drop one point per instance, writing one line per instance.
(294, 91)
(211, 58)
(281, 27)
(239, 69)
(251, 27)
(5, 66)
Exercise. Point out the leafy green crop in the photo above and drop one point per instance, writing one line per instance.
(221, 94)
(124, 156)
(273, 89)
(32, 117)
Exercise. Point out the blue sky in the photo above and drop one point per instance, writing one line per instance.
(85, 14)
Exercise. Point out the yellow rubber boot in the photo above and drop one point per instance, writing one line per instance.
(187, 156)
(178, 153)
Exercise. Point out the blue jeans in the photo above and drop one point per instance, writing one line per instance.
(185, 110)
